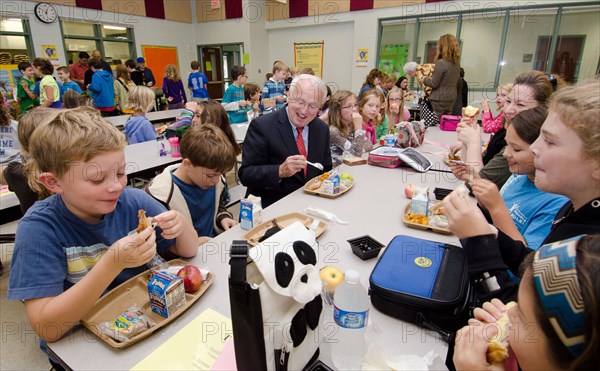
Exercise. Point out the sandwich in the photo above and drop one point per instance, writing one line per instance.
(144, 221)
(471, 111)
(497, 351)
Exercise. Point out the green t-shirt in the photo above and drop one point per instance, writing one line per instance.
(26, 102)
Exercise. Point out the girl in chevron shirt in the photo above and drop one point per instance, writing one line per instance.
(554, 326)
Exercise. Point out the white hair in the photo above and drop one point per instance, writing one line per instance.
(410, 67)
(314, 81)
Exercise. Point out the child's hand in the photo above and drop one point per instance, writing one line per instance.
(470, 346)
(468, 135)
(357, 120)
(490, 312)
(464, 217)
(487, 193)
(242, 103)
(171, 222)
(256, 107)
(455, 148)
(228, 223)
(134, 250)
(459, 171)
(485, 106)
(192, 106)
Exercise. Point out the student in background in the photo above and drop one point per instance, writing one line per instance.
(307, 71)
(104, 64)
(268, 75)
(123, 86)
(134, 74)
(197, 82)
(173, 87)
(252, 94)
(79, 68)
(212, 113)
(138, 128)
(197, 188)
(489, 124)
(71, 99)
(49, 91)
(233, 101)
(65, 77)
(345, 127)
(25, 96)
(394, 107)
(372, 81)
(80, 157)
(102, 89)
(14, 173)
(274, 89)
(369, 108)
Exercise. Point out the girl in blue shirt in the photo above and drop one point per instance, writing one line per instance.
(519, 209)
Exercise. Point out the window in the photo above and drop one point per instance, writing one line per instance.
(578, 45)
(523, 51)
(480, 45)
(114, 42)
(15, 47)
(499, 43)
(395, 47)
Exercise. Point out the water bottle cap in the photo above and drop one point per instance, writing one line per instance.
(352, 276)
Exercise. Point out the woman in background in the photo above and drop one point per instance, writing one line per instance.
(445, 80)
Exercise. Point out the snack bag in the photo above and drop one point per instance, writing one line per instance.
(132, 322)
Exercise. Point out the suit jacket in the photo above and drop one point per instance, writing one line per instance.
(269, 141)
(446, 85)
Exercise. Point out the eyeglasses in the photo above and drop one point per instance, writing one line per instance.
(394, 99)
(301, 103)
(350, 106)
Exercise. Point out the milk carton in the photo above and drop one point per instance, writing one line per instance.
(167, 293)
(250, 212)
(420, 201)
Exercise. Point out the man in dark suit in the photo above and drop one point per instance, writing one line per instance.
(272, 163)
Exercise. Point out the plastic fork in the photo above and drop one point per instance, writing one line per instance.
(318, 165)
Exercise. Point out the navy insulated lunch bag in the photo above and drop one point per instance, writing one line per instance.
(423, 282)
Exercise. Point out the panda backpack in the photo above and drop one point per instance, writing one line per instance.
(274, 292)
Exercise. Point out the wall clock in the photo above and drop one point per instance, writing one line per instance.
(45, 12)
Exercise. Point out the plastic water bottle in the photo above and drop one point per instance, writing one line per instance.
(350, 313)
(174, 142)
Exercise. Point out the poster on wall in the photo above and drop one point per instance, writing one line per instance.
(9, 76)
(362, 57)
(392, 59)
(157, 59)
(309, 55)
(49, 51)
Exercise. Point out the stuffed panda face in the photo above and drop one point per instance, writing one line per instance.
(290, 268)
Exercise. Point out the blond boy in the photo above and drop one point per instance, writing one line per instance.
(274, 89)
(73, 246)
(197, 187)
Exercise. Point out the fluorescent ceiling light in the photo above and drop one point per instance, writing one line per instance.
(117, 28)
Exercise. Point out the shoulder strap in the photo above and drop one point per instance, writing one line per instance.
(238, 258)
(125, 86)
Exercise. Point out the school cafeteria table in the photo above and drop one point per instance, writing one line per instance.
(374, 206)
(154, 117)
(143, 157)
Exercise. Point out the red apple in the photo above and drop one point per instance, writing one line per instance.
(192, 278)
(409, 190)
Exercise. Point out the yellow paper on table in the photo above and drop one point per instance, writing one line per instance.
(194, 347)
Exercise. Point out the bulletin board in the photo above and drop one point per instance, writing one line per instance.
(157, 58)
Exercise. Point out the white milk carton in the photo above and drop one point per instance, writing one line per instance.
(250, 212)
(420, 201)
